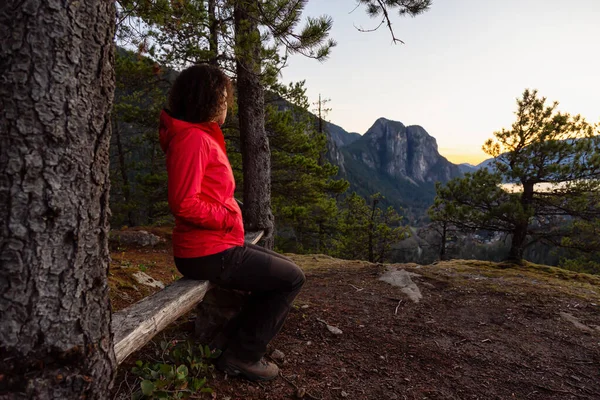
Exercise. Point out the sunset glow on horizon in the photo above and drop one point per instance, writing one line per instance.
(463, 65)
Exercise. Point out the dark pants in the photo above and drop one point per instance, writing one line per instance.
(273, 280)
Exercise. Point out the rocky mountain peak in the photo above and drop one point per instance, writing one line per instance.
(401, 151)
(401, 162)
(385, 128)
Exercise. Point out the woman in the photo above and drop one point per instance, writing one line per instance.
(208, 238)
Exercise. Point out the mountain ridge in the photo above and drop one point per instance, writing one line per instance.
(400, 162)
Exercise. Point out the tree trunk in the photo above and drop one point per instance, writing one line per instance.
(372, 231)
(123, 170)
(213, 38)
(517, 244)
(519, 234)
(256, 155)
(56, 63)
(443, 243)
(320, 115)
(321, 238)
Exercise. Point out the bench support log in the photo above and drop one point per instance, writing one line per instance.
(217, 308)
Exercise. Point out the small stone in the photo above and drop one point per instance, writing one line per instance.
(305, 306)
(344, 394)
(277, 355)
(147, 280)
(334, 329)
(382, 357)
(308, 343)
(343, 370)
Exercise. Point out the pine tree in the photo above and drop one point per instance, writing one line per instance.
(552, 158)
(368, 232)
(303, 188)
(441, 226)
(380, 9)
(55, 99)
(582, 244)
(139, 181)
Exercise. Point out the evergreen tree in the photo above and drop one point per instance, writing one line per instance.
(303, 188)
(367, 231)
(138, 177)
(553, 160)
(441, 226)
(279, 18)
(173, 33)
(55, 99)
(582, 245)
(380, 9)
(321, 111)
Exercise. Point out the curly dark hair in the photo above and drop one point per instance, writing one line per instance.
(197, 94)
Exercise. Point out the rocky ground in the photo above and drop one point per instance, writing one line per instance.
(455, 330)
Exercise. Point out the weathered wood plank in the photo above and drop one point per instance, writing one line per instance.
(136, 325)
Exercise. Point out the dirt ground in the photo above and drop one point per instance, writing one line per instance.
(478, 332)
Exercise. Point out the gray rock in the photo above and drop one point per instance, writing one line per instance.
(134, 238)
(402, 279)
(334, 329)
(147, 280)
(277, 355)
(575, 321)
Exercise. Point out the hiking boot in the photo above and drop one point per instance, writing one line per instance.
(260, 370)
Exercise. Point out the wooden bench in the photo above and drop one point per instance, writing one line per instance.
(137, 324)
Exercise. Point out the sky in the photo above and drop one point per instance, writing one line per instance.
(463, 65)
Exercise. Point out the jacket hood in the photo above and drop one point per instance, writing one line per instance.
(171, 127)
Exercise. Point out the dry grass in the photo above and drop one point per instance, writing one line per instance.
(500, 277)
(511, 278)
(312, 262)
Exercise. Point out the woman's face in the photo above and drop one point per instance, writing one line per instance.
(222, 115)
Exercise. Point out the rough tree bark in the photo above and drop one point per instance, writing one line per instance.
(55, 94)
(520, 231)
(444, 237)
(256, 154)
(213, 36)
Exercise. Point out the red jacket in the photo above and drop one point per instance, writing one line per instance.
(208, 220)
